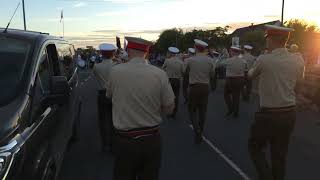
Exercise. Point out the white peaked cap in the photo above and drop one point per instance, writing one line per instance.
(123, 55)
(107, 47)
(191, 50)
(236, 48)
(173, 50)
(248, 47)
(215, 52)
(200, 43)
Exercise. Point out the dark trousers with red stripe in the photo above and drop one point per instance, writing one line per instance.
(247, 88)
(185, 85)
(232, 92)
(105, 120)
(198, 101)
(137, 159)
(271, 129)
(175, 84)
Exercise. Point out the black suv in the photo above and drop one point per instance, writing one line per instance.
(39, 104)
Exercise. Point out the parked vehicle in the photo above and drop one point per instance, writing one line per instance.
(39, 104)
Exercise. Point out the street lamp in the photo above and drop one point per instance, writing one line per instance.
(24, 16)
(282, 12)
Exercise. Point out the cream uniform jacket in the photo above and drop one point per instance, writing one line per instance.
(174, 67)
(249, 59)
(201, 68)
(215, 60)
(235, 66)
(138, 91)
(278, 73)
(102, 71)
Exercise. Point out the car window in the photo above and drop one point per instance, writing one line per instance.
(66, 59)
(13, 58)
(44, 73)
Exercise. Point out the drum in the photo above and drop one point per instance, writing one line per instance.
(81, 63)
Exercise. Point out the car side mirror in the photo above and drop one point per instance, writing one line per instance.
(59, 91)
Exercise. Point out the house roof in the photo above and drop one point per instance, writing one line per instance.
(243, 30)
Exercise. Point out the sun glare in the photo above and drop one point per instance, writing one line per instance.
(304, 10)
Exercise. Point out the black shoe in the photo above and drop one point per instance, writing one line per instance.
(106, 149)
(171, 116)
(198, 139)
(247, 99)
(228, 113)
(235, 116)
(186, 101)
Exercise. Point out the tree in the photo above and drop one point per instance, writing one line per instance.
(301, 28)
(191, 35)
(216, 38)
(171, 37)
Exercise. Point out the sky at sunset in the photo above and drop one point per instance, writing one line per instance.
(90, 22)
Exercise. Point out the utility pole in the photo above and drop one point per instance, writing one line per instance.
(24, 16)
(177, 40)
(63, 28)
(62, 21)
(282, 12)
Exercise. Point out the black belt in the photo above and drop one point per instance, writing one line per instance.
(278, 109)
(235, 77)
(102, 91)
(139, 132)
(198, 84)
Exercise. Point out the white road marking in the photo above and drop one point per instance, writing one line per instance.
(224, 157)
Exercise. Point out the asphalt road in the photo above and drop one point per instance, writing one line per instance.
(223, 155)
